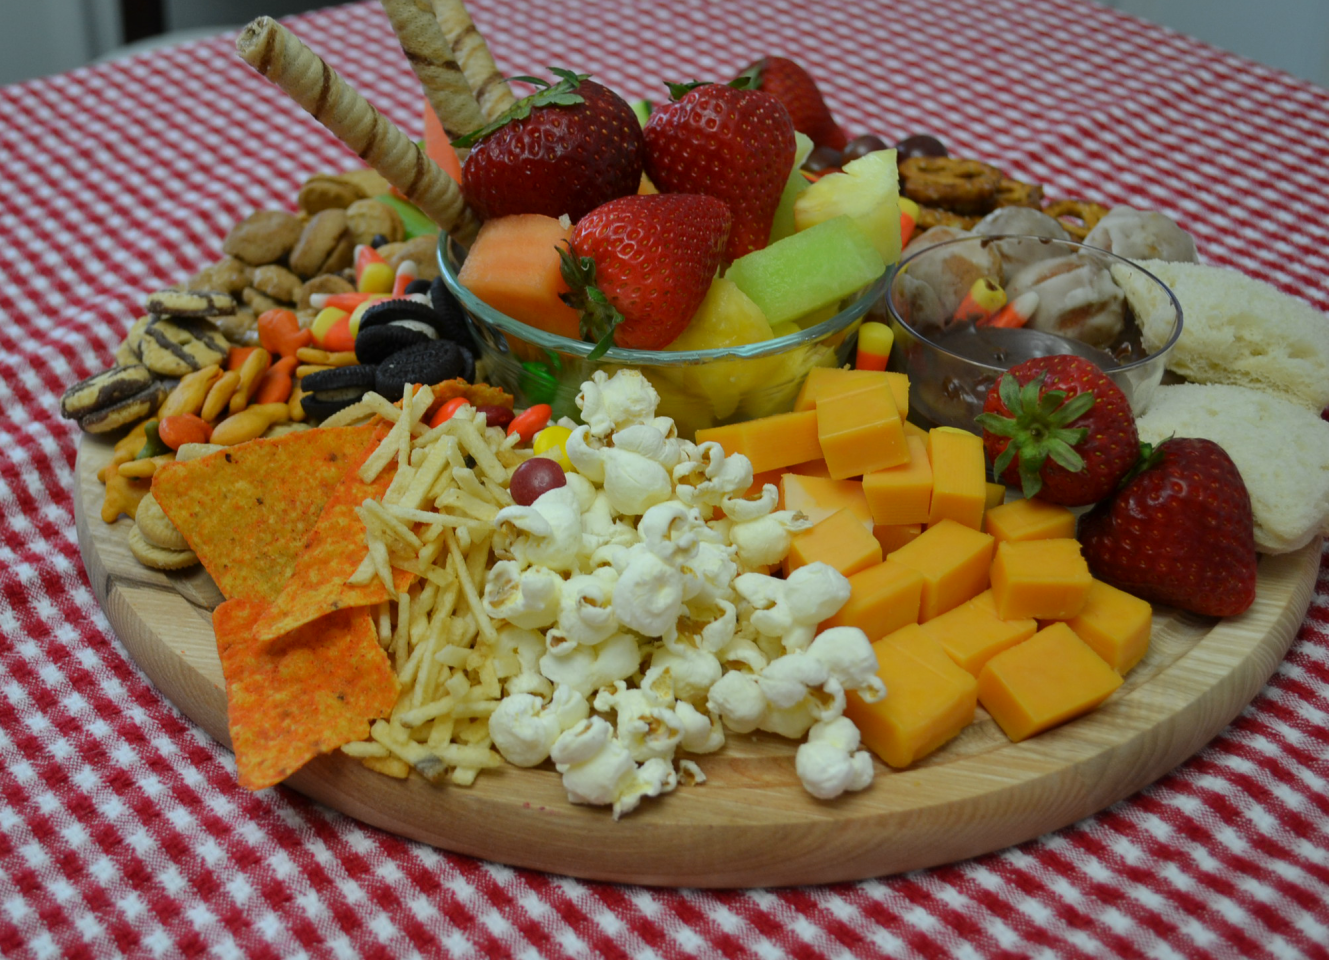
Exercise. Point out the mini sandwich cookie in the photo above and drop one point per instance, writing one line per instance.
(190, 304)
(173, 348)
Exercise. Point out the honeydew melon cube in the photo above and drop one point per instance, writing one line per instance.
(783, 224)
(809, 270)
(868, 190)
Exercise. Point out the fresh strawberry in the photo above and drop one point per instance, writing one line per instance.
(794, 87)
(1178, 532)
(640, 266)
(565, 149)
(737, 145)
(1061, 429)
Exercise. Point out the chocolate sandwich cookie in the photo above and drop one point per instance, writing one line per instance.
(328, 391)
(431, 362)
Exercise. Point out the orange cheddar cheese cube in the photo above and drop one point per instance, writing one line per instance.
(860, 431)
(972, 634)
(825, 381)
(819, 497)
(772, 442)
(840, 540)
(1046, 579)
(928, 701)
(882, 599)
(996, 495)
(959, 477)
(1115, 625)
(901, 494)
(759, 481)
(813, 468)
(912, 429)
(1031, 519)
(893, 537)
(954, 560)
(1049, 679)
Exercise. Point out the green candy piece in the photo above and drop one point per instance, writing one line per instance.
(537, 383)
(415, 222)
(154, 447)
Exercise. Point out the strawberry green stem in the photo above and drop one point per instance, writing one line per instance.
(1038, 429)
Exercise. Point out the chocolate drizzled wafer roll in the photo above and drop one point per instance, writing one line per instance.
(431, 57)
(276, 53)
(491, 90)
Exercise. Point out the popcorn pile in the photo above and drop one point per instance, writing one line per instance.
(639, 591)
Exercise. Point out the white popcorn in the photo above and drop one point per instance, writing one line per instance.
(598, 769)
(524, 728)
(764, 541)
(584, 454)
(738, 701)
(830, 763)
(649, 441)
(632, 482)
(701, 733)
(584, 490)
(547, 533)
(691, 671)
(786, 681)
(586, 669)
(648, 596)
(647, 725)
(791, 609)
(608, 404)
(850, 660)
(527, 647)
(671, 530)
(741, 510)
(712, 476)
(586, 613)
(527, 598)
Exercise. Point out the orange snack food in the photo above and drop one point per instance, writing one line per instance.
(305, 693)
(771, 442)
(1115, 625)
(1049, 679)
(1045, 579)
(841, 540)
(861, 431)
(954, 561)
(828, 381)
(972, 634)
(1029, 519)
(183, 428)
(901, 494)
(928, 700)
(819, 497)
(882, 599)
(894, 536)
(275, 384)
(959, 477)
(279, 333)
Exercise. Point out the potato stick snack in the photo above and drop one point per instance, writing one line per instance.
(435, 64)
(279, 55)
(477, 63)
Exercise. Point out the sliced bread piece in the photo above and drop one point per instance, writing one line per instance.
(1235, 329)
(1280, 448)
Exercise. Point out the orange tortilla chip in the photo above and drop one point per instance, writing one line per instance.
(247, 510)
(303, 694)
(332, 554)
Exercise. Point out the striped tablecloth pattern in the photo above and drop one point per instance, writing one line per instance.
(122, 830)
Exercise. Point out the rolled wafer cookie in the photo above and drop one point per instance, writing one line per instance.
(279, 55)
(431, 57)
(477, 63)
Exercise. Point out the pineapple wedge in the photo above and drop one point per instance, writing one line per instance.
(868, 191)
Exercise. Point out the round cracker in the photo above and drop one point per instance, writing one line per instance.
(156, 526)
(159, 558)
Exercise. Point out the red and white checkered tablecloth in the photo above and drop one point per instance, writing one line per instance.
(122, 830)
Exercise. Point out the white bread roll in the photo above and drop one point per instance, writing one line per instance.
(1280, 448)
(1235, 329)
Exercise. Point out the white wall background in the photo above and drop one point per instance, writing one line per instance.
(51, 36)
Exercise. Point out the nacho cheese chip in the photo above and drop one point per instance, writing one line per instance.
(290, 699)
(247, 510)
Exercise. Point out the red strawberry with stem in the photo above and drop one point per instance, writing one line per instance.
(640, 267)
(1179, 531)
(566, 149)
(794, 87)
(733, 144)
(1059, 428)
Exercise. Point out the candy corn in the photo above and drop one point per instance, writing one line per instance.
(874, 346)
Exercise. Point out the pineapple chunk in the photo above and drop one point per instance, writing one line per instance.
(726, 318)
(868, 191)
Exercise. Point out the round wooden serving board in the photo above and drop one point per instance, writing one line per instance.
(751, 823)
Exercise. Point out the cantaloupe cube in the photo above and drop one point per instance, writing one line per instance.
(901, 494)
(959, 477)
(954, 561)
(1050, 678)
(1046, 579)
(772, 442)
(840, 540)
(819, 497)
(894, 536)
(1030, 519)
(860, 431)
(513, 266)
(928, 701)
(825, 381)
(1115, 625)
(973, 634)
(882, 599)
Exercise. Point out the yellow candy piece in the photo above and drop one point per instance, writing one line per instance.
(376, 278)
(324, 321)
(359, 312)
(552, 442)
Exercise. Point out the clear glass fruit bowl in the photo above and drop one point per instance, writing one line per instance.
(698, 388)
(953, 363)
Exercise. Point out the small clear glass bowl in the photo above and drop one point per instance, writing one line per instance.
(952, 365)
(698, 388)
